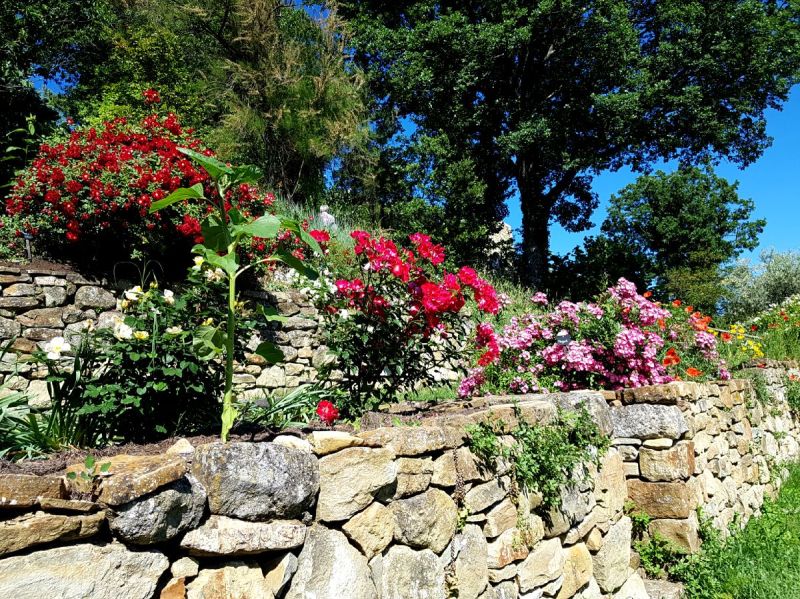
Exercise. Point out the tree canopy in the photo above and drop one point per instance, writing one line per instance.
(535, 98)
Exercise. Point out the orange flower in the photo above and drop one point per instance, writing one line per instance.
(662, 324)
(672, 358)
(689, 309)
(726, 337)
(693, 372)
(647, 294)
(676, 302)
(794, 377)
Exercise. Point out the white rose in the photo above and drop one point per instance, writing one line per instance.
(169, 297)
(134, 293)
(122, 331)
(55, 347)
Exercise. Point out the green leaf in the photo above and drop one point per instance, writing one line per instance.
(184, 193)
(215, 167)
(89, 462)
(208, 342)
(287, 258)
(271, 314)
(213, 233)
(229, 262)
(105, 467)
(295, 227)
(72, 475)
(266, 226)
(270, 352)
(247, 173)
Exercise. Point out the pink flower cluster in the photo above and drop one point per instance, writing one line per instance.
(613, 343)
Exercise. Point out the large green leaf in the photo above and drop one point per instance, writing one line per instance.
(184, 193)
(208, 342)
(271, 314)
(214, 233)
(287, 258)
(294, 226)
(270, 352)
(246, 173)
(229, 262)
(215, 168)
(266, 226)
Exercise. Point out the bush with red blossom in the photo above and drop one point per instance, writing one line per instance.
(622, 339)
(86, 195)
(399, 319)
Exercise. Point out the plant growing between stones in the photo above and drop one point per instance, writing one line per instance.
(542, 457)
(225, 231)
(89, 477)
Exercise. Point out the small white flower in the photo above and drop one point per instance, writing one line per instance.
(134, 293)
(176, 330)
(215, 275)
(344, 314)
(55, 347)
(169, 297)
(122, 331)
(198, 263)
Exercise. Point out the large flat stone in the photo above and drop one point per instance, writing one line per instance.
(544, 564)
(234, 580)
(663, 500)
(407, 440)
(220, 535)
(30, 530)
(647, 421)
(470, 565)
(371, 530)
(325, 442)
(350, 479)
(404, 573)
(577, 570)
(26, 490)
(675, 463)
(611, 562)
(130, 477)
(86, 570)
(256, 481)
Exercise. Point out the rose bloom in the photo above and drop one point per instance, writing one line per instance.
(327, 412)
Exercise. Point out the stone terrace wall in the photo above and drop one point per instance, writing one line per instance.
(39, 304)
(708, 445)
(390, 513)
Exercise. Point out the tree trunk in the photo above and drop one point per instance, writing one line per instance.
(536, 209)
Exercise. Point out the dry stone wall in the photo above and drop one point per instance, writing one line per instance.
(38, 304)
(712, 446)
(392, 513)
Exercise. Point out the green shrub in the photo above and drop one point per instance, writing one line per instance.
(543, 457)
(793, 393)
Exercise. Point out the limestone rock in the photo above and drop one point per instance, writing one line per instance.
(293, 442)
(404, 573)
(544, 564)
(460, 461)
(610, 563)
(407, 440)
(575, 502)
(371, 530)
(185, 567)
(484, 496)
(181, 447)
(94, 297)
(471, 569)
(661, 589)
(509, 547)
(681, 532)
(20, 290)
(161, 516)
(42, 317)
(330, 568)
(85, 570)
(647, 421)
(234, 580)
(632, 589)
(130, 477)
(675, 463)
(610, 488)
(220, 535)
(502, 517)
(325, 442)
(595, 404)
(29, 530)
(26, 490)
(349, 480)
(256, 481)
(577, 570)
(174, 589)
(425, 521)
(279, 572)
(663, 500)
(505, 590)
(9, 328)
(413, 476)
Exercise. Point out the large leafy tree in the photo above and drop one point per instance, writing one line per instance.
(265, 81)
(672, 232)
(539, 96)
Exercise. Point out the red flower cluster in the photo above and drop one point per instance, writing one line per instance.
(485, 338)
(93, 187)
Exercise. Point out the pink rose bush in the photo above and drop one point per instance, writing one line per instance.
(622, 339)
(399, 317)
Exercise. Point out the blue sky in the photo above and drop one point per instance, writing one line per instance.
(771, 182)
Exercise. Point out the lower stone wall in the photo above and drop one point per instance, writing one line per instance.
(393, 512)
(712, 446)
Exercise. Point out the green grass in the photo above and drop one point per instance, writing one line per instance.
(760, 562)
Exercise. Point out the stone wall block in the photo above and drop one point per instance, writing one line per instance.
(675, 463)
(648, 421)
